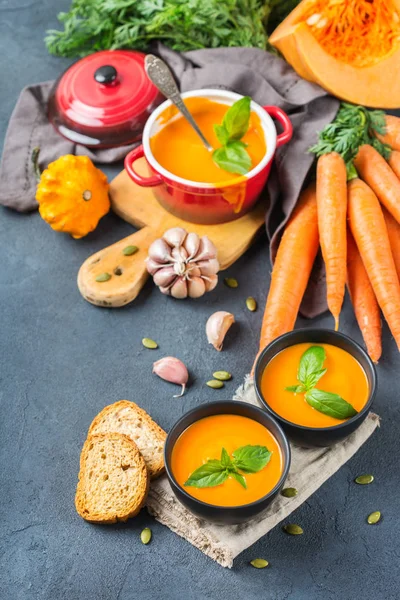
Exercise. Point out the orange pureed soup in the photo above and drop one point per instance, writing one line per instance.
(204, 440)
(345, 376)
(178, 148)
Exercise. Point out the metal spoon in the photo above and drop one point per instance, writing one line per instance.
(158, 72)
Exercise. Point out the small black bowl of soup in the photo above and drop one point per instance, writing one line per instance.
(226, 461)
(317, 383)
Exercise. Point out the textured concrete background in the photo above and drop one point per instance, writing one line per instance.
(62, 360)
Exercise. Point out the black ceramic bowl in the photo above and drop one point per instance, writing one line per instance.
(226, 514)
(311, 437)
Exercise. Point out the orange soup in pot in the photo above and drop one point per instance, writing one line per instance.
(203, 441)
(344, 376)
(178, 148)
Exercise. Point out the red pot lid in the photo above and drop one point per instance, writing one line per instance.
(103, 99)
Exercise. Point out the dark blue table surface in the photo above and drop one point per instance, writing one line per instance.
(62, 360)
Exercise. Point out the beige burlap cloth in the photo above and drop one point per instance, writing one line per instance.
(310, 468)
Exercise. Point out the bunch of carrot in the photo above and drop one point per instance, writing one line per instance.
(357, 226)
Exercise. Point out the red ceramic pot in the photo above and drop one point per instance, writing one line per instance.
(203, 202)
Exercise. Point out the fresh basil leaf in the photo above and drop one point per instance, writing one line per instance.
(211, 474)
(233, 158)
(239, 478)
(296, 389)
(314, 378)
(222, 134)
(237, 118)
(251, 459)
(225, 459)
(311, 362)
(330, 404)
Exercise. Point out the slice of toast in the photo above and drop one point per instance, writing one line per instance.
(128, 418)
(113, 479)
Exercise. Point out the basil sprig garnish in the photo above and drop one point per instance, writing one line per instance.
(232, 156)
(310, 372)
(249, 459)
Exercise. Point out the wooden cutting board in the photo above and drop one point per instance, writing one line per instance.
(138, 206)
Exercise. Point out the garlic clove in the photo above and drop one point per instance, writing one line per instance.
(179, 289)
(165, 290)
(193, 272)
(159, 251)
(179, 253)
(164, 277)
(208, 267)
(206, 249)
(192, 244)
(175, 236)
(152, 266)
(217, 327)
(196, 287)
(211, 282)
(173, 370)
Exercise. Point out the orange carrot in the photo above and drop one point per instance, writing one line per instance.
(394, 162)
(392, 135)
(292, 268)
(368, 227)
(375, 171)
(332, 211)
(393, 229)
(364, 302)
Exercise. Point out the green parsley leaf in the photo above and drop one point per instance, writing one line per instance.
(330, 404)
(251, 459)
(233, 157)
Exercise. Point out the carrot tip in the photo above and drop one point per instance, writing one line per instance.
(336, 323)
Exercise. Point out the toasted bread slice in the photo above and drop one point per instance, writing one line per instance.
(128, 418)
(113, 479)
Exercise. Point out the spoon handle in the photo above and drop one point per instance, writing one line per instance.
(159, 73)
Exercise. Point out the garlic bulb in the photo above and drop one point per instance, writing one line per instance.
(217, 327)
(183, 264)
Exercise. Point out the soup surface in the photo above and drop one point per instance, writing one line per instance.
(344, 376)
(204, 440)
(178, 148)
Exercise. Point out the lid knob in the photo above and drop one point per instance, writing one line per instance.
(106, 74)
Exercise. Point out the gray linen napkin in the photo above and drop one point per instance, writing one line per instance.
(263, 76)
(310, 468)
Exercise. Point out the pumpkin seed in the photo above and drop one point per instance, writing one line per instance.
(293, 529)
(215, 384)
(231, 282)
(149, 343)
(259, 563)
(222, 375)
(374, 517)
(145, 536)
(103, 277)
(364, 479)
(251, 304)
(289, 492)
(129, 250)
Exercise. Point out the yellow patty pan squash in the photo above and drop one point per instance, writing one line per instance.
(73, 195)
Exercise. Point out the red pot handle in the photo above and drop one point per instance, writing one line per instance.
(130, 158)
(278, 114)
